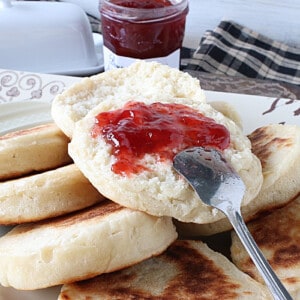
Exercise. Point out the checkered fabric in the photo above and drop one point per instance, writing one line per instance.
(234, 50)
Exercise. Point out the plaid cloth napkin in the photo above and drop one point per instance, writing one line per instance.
(234, 50)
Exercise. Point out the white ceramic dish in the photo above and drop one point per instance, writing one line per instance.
(47, 37)
(255, 111)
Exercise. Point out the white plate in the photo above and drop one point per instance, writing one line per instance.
(14, 116)
(255, 111)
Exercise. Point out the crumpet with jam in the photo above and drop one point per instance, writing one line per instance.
(126, 149)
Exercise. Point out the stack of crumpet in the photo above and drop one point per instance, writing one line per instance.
(103, 233)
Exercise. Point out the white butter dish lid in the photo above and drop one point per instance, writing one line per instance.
(47, 37)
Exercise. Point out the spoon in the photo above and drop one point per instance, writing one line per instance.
(218, 185)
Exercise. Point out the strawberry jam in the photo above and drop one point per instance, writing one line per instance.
(142, 29)
(156, 129)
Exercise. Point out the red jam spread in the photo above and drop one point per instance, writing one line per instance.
(142, 35)
(157, 129)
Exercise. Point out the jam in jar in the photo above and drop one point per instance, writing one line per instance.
(142, 29)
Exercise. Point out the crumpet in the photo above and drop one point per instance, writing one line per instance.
(100, 239)
(278, 237)
(34, 149)
(186, 270)
(44, 195)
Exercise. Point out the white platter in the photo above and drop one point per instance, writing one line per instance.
(14, 116)
(256, 111)
(19, 110)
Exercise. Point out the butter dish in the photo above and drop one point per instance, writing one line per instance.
(46, 37)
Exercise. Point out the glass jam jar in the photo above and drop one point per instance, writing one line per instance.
(142, 29)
